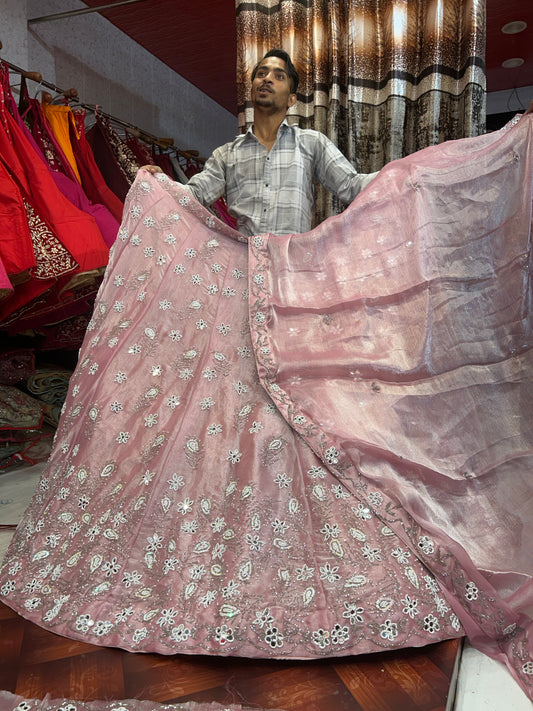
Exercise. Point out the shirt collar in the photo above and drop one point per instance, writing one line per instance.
(250, 132)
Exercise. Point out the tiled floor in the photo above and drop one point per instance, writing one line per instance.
(483, 685)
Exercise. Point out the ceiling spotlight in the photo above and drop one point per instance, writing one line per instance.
(511, 28)
(513, 63)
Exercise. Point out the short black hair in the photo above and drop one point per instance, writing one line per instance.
(291, 69)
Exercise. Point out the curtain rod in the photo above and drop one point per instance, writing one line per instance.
(82, 11)
(72, 94)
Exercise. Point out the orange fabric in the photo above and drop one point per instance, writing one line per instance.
(59, 118)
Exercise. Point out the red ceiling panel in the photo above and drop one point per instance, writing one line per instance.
(502, 46)
(195, 38)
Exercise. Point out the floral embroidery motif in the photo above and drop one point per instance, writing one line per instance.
(244, 540)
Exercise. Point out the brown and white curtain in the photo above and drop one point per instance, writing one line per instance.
(381, 78)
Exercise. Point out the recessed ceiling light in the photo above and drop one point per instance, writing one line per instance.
(513, 63)
(511, 28)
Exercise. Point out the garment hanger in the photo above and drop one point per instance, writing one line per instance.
(72, 95)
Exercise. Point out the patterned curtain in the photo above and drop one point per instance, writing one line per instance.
(381, 78)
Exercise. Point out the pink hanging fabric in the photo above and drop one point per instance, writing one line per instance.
(302, 446)
(47, 148)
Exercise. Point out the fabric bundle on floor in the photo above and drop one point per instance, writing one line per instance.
(22, 437)
(302, 446)
(50, 384)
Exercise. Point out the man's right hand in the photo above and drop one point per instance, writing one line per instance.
(151, 168)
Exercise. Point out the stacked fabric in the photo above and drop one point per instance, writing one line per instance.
(30, 402)
(50, 385)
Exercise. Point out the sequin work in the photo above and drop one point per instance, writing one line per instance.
(179, 511)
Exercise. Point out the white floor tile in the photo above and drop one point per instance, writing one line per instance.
(16, 489)
(486, 685)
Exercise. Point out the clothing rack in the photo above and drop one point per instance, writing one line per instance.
(72, 95)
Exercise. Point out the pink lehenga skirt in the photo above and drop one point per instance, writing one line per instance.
(301, 446)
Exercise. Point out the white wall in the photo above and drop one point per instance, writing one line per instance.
(110, 69)
(13, 32)
(500, 102)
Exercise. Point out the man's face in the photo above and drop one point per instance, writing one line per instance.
(271, 87)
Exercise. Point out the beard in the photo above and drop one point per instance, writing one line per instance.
(266, 96)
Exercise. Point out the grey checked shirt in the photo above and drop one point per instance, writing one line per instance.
(272, 191)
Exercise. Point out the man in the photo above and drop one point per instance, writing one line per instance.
(267, 174)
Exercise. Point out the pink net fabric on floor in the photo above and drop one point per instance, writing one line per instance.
(304, 446)
(13, 702)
